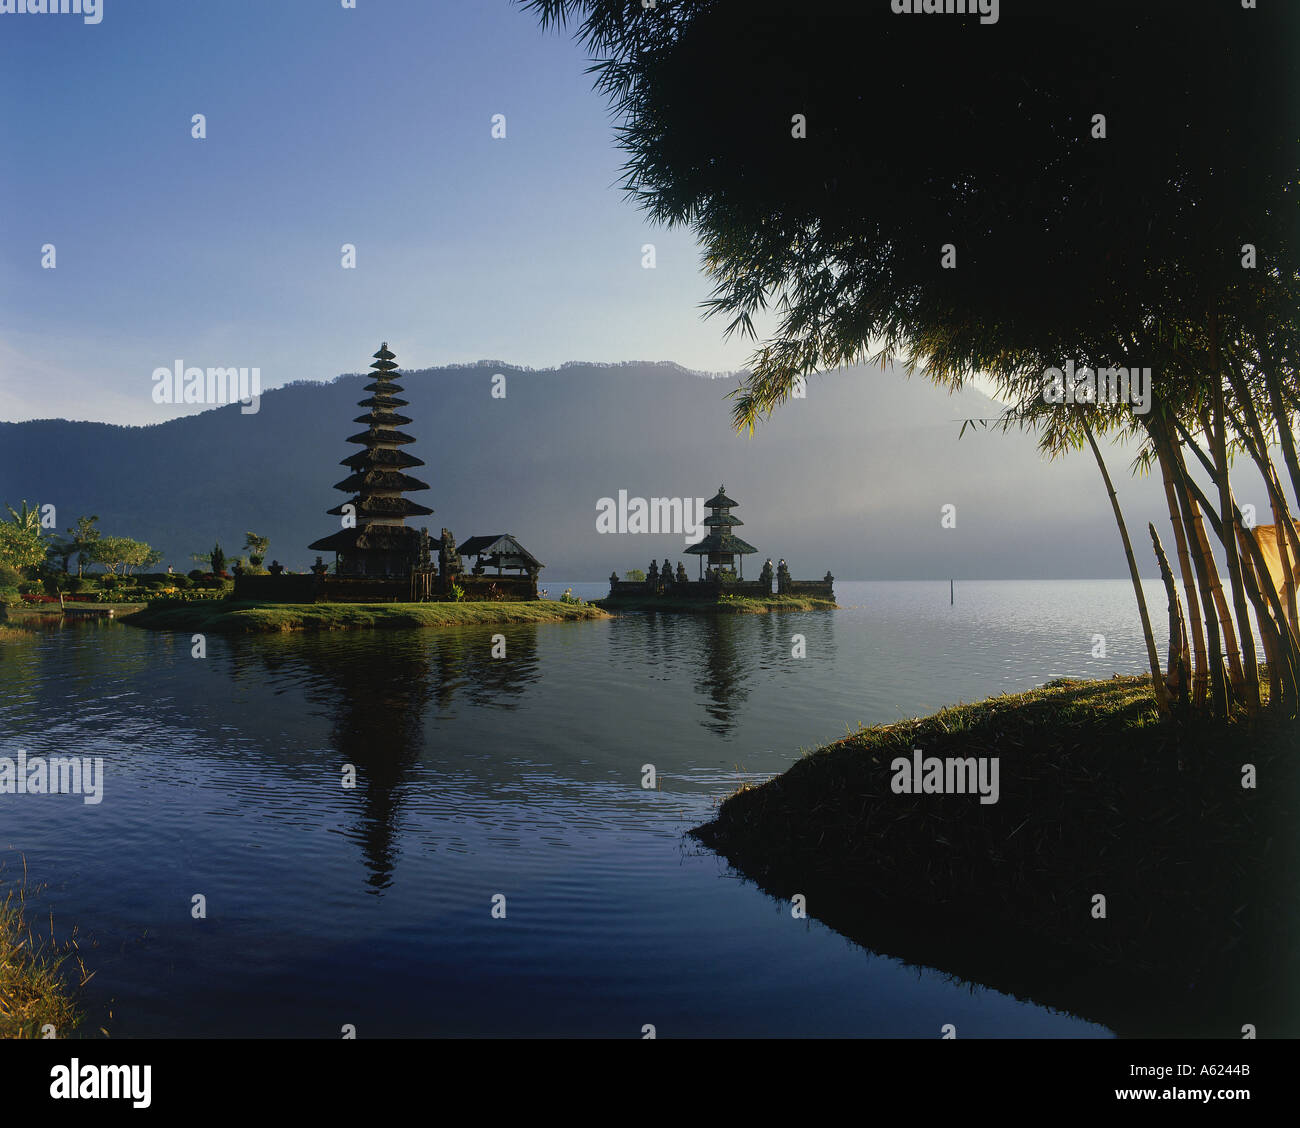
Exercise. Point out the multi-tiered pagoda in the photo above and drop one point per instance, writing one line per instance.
(721, 545)
(380, 544)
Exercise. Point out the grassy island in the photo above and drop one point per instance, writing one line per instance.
(223, 617)
(727, 605)
(1096, 796)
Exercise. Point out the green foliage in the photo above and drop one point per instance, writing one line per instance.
(121, 552)
(568, 597)
(217, 558)
(84, 534)
(457, 593)
(21, 545)
(848, 256)
(59, 550)
(256, 547)
(634, 576)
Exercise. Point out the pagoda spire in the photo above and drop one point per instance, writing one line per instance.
(381, 544)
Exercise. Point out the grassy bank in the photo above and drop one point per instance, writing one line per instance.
(35, 976)
(1096, 797)
(734, 605)
(247, 618)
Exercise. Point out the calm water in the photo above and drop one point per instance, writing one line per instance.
(479, 776)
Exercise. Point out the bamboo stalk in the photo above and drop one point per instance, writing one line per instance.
(1153, 657)
(1178, 677)
(1219, 436)
(1282, 417)
(1236, 673)
(1288, 538)
(1191, 522)
(1160, 440)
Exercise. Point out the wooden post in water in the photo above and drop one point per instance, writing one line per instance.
(952, 594)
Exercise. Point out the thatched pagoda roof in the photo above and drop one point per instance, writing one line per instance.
(377, 417)
(371, 538)
(377, 506)
(371, 479)
(721, 544)
(364, 459)
(377, 435)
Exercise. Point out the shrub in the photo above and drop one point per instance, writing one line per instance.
(194, 574)
(74, 584)
(107, 582)
(10, 577)
(569, 597)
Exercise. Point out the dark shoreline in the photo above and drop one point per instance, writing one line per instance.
(1201, 925)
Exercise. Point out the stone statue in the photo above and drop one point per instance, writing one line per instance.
(782, 577)
(448, 558)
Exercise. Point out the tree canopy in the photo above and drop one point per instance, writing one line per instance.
(923, 131)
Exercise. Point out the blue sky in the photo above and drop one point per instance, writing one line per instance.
(325, 126)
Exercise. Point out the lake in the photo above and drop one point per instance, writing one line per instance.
(477, 777)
